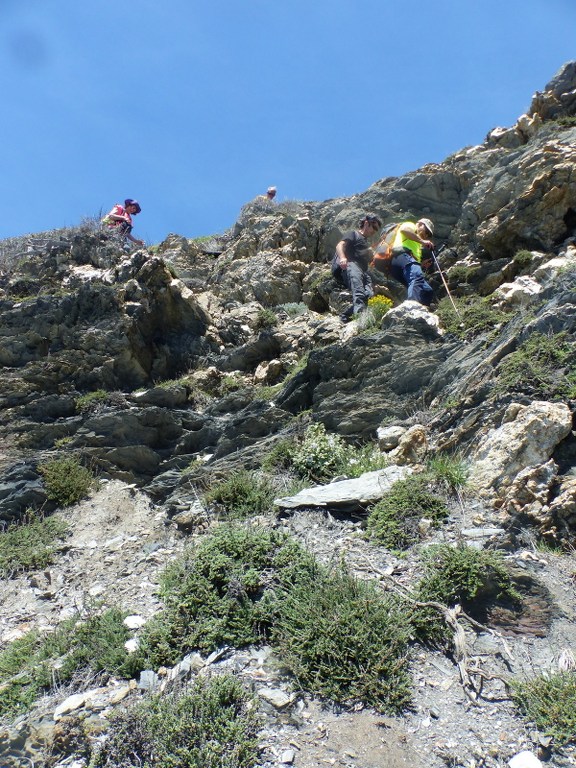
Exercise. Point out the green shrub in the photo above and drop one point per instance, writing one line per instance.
(543, 367)
(242, 494)
(448, 471)
(476, 316)
(225, 591)
(473, 578)
(549, 701)
(293, 309)
(90, 401)
(66, 480)
(379, 306)
(30, 545)
(92, 645)
(265, 319)
(213, 724)
(393, 521)
(320, 455)
(344, 640)
(459, 273)
(522, 259)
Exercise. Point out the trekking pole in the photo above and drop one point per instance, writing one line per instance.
(445, 283)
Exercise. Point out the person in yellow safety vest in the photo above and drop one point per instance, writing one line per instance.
(406, 258)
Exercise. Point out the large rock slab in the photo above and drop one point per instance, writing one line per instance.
(347, 495)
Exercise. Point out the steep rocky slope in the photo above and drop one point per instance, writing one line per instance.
(165, 371)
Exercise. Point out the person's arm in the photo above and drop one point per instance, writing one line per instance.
(135, 239)
(411, 234)
(341, 253)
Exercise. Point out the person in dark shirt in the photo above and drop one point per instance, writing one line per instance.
(350, 265)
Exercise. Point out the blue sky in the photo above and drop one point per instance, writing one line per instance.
(195, 106)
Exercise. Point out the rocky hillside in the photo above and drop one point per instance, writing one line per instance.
(169, 372)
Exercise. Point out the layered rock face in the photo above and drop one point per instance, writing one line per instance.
(170, 368)
(80, 316)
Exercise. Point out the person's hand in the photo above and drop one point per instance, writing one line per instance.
(428, 244)
(342, 262)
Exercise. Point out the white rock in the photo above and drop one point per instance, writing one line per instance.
(134, 621)
(70, 704)
(525, 760)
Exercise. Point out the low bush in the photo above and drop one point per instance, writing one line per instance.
(448, 471)
(30, 545)
(66, 480)
(212, 724)
(549, 701)
(319, 456)
(225, 591)
(473, 578)
(379, 305)
(393, 521)
(522, 259)
(37, 662)
(91, 401)
(242, 494)
(476, 316)
(344, 640)
(544, 366)
(266, 319)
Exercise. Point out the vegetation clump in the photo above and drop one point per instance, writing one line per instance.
(543, 366)
(66, 480)
(319, 456)
(379, 305)
(30, 545)
(242, 495)
(342, 638)
(225, 591)
(473, 578)
(346, 641)
(266, 319)
(393, 521)
(476, 316)
(211, 724)
(37, 662)
(549, 701)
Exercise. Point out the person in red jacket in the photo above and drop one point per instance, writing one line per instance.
(120, 219)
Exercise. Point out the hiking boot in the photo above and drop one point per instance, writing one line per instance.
(344, 318)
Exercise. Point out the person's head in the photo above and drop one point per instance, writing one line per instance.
(425, 228)
(370, 224)
(271, 192)
(132, 206)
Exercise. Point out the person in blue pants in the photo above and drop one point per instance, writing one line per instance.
(407, 256)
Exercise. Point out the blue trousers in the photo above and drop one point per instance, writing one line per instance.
(407, 271)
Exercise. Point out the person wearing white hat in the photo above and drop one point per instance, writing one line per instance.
(405, 267)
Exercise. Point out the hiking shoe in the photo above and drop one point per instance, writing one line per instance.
(344, 318)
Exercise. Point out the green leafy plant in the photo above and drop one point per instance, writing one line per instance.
(448, 471)
(459, 273)
(379, 306)
(30, 545)
(549, 701)
(211, 724)
(473, 578)
(37, 663)
(476, 316)
(242, 494)
(522, 259)
(225, 591)
(543, 366)
(265, 319)
(346, 641)
(90, 401)
(66, 480)
(393, 521)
